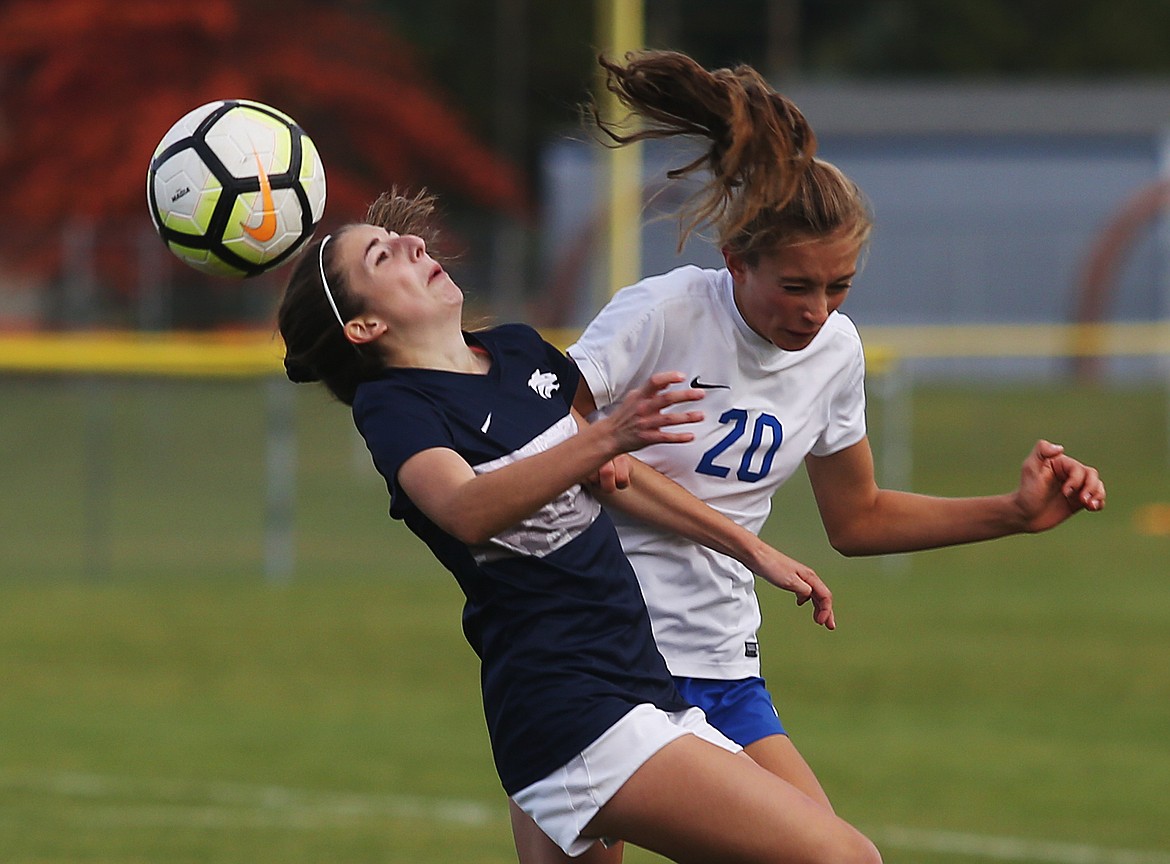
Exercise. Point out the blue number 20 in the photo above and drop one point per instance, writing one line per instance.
(738, 417)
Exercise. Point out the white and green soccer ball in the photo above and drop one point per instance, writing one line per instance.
(235, 188)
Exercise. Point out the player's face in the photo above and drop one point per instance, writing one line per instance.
(395, 277)
(788, 295)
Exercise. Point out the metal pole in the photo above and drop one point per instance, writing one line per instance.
(621, 29)
(80, 311)
(896, 451)
(280, 492)
(1163, 238)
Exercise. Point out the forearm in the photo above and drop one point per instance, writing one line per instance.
(906, 522)
(476, 507)
(657, 500)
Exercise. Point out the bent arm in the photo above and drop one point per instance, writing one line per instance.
(475, 507)
(862, 519)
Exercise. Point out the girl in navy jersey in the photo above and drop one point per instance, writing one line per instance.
(783, 370)
(484, 458)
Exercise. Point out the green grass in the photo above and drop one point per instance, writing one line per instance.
(161, 701)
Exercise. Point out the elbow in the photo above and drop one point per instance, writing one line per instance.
(844, 547)
(471, 535)
(470, 531)
(847, 543)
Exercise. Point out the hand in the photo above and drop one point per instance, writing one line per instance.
(791, 575)
(641, 419)
(613, 475)
(1054, 486)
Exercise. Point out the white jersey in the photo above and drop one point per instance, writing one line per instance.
(765, 409)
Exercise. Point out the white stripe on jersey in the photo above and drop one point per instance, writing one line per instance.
(553, 525)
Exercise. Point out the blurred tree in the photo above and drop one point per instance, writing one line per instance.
(88, 87)
(461, 43)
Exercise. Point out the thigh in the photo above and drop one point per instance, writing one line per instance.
(696, 802)
(533, 846)
(779, 755)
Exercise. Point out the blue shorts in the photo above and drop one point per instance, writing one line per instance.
(742, 709)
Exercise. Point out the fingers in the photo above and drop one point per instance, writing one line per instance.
(1081, 484)
(606, 478)
(619, 468)
(791, 575)
(644, 413)
(655, 392)
(1046, 449)
(822, 600)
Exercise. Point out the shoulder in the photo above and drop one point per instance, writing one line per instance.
(521, 342)
(507, 334)
(682, 283)
(667, 297)
(838, 346)
(841, 332)
(390, 396)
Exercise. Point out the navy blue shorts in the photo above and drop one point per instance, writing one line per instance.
(742, 709)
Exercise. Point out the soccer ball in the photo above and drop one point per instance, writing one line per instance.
(235, 188)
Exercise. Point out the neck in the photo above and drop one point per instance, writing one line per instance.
(449, 354)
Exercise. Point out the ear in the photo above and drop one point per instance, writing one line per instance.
(364, 329)
(735, 264)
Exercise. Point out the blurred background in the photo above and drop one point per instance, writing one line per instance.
(214, 645)
(1014, 151)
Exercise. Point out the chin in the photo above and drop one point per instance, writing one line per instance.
(793, 344)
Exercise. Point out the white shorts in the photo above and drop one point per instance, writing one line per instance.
(564, 802)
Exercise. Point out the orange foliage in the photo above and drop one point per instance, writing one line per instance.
(88, 87)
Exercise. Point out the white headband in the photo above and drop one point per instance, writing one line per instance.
(325, 282)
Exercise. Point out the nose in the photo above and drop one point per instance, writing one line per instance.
(817, 308)
(415, 246)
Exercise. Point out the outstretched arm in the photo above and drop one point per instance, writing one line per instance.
(862, 519)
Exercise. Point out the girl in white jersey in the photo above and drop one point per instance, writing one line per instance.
(783, 372)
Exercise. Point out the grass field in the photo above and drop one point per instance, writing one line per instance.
(160, 701)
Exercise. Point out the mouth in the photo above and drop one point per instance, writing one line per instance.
(435, 273)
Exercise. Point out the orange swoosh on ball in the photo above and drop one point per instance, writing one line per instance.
(266, 230)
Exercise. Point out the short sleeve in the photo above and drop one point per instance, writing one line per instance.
(619, 348)
(846, 421)
(397, 423)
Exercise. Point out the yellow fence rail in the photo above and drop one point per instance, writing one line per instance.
(219, 355)
(255, 352)
(258, 355)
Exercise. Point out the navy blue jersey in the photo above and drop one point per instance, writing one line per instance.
(553, 609)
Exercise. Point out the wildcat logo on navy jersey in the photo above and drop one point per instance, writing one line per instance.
(544, 383)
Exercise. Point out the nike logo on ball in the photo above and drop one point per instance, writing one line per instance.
(703, 385)
(266, 230)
